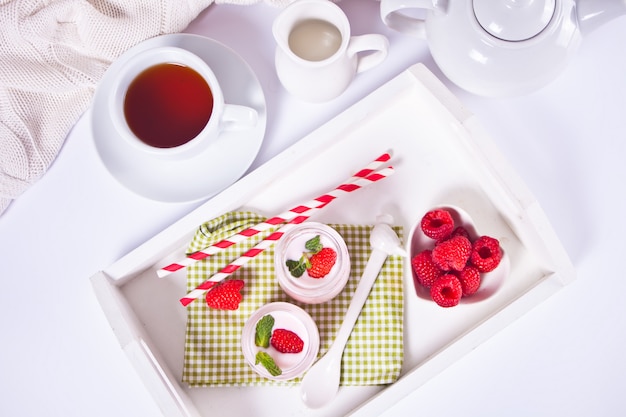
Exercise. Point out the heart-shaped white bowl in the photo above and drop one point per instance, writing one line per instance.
(490, 281)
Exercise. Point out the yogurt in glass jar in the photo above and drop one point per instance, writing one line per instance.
(305, 288)
(286, 316)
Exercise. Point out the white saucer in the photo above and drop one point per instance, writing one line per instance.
(207, 173)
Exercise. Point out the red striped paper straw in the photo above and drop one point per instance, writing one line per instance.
(275, 236)
(272, 222)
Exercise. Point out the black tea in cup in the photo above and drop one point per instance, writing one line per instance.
(167, 105)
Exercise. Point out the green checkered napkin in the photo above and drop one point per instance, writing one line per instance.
(213, 354)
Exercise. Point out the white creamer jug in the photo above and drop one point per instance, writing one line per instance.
(316, 57)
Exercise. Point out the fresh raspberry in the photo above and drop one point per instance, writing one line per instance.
(470, 280)
(437, 224)
(322, 262)
(459, 231)
(486, 253)
(286, 341)
(426, 272)
(226, 295)
(452, 254)
(446, 291)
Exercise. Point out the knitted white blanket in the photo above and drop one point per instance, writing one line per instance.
(52, 55)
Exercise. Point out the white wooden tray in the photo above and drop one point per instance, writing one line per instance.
(441, 156)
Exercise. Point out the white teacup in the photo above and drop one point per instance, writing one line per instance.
(316, 58)
(167, 102)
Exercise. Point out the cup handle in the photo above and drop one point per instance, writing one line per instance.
(372, 42)
(237, 117)
(390, 13)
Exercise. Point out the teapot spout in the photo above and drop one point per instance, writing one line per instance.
(594, 13)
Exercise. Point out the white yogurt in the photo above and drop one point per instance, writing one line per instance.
(286, 316)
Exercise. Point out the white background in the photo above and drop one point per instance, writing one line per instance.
(59, 357)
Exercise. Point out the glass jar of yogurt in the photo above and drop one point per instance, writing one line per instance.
(304, 288)
(286, 316)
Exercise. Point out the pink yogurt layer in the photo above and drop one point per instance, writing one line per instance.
(287, 320)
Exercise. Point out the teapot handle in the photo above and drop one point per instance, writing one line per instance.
(392, 16)
(594, 13)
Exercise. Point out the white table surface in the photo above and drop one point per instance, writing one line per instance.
(59, 357)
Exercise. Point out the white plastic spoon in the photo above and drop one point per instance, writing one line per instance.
(321, 382)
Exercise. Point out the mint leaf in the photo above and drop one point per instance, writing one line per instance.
(297, 268)
(268, 363)
(264, 331)
(314, 244)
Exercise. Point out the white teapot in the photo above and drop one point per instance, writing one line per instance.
(499, 48)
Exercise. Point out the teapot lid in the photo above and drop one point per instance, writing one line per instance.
(514, 20)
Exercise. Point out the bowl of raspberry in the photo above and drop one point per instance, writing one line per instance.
(451, 262)
(280, 341)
